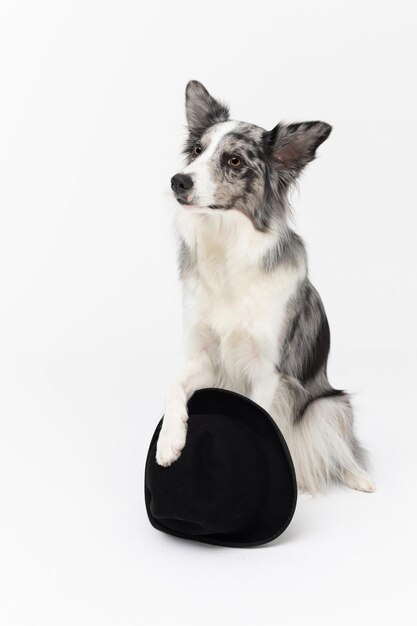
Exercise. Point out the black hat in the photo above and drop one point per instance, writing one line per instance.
(234, 483)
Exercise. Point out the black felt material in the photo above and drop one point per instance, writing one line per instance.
(234, 483)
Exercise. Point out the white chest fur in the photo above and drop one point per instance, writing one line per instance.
(228, 292)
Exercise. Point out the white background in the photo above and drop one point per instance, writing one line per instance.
(91, 126)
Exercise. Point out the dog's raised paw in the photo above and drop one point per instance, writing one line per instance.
(170, 444)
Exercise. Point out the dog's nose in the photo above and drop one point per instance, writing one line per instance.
(181, 182)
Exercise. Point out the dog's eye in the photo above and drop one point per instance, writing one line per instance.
(198, 149)
(234, 161)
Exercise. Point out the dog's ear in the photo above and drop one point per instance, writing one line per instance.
(295, 145)
(201, 108)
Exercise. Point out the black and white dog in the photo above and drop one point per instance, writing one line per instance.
(254, 322)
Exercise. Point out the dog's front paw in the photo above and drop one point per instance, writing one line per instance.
(170, 444)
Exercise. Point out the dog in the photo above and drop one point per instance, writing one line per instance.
(254, 322)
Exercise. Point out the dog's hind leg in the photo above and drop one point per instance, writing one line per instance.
(324, 447)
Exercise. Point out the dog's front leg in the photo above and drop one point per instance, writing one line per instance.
(197, 372)
(264, 386)
(247, 357)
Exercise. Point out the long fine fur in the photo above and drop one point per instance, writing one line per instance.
(254, 322)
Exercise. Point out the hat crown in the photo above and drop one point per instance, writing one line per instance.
(217, 484)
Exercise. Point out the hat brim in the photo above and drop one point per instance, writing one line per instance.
(281, 491)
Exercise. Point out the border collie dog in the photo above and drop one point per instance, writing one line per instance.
(254, 323)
